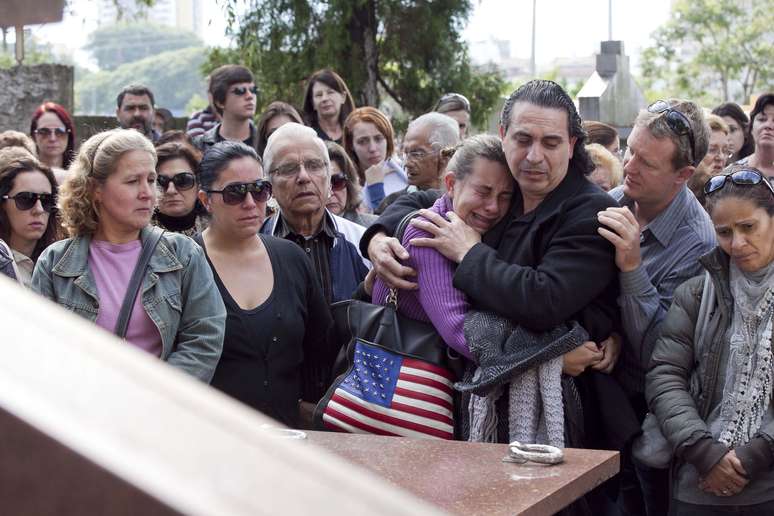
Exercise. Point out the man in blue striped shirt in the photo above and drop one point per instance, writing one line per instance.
(659, 233)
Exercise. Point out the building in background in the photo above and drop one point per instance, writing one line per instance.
(182, 14)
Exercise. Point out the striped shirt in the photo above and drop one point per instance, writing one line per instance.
(670, 246)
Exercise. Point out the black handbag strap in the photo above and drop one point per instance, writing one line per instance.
(136, 281)
(392, 295)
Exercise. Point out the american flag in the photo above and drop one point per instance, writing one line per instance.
(386, 394)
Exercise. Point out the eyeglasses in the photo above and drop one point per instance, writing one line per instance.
(182, 181)
(26, 200)
(744, 177)
(315, 167)
(677, 122)
(723, 152)
(339, 182)
(241, 90)
(236, 193)
(45, 132)
(416, 155)
(448, 97)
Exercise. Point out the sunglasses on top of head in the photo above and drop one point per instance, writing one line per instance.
(182, 181)
(242, 90)
(744, 177)
(677, 122)
(26, 200)
(236, 193)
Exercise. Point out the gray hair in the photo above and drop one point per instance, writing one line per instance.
(658, 127)
(444, 130)
(295, 132)
(486, 146)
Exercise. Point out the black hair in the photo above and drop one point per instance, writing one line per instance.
(549, 94)
(760, 195)
(764, 100)
(217, 158)
(732, 110)
(137, 90)
(334, 81)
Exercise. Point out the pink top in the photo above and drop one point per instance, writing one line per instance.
(112, 266)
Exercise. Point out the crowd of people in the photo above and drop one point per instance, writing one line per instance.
(642, 268)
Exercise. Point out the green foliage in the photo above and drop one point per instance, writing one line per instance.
(123, 43)
(35, 52)
(173, 77)
(413, 48)
(712, 51)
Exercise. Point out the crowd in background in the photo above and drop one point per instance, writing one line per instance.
(639, 271)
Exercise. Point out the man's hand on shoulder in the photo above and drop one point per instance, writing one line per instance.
(384, 253)
(623, 231)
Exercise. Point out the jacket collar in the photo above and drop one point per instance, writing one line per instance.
(75, 260)
(717, 263)
(572, 183)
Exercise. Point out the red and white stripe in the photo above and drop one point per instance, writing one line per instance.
(421, 406)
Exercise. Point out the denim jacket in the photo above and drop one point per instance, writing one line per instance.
(178, 294)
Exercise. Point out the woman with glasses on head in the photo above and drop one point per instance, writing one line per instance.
(54, 134)
(739, 139)
(327, 104)
(106, 204)
(179, 208)
(762, 134)
(370, 141)
(274, 351)
(345, 189)
(28, 221)
(710, 381)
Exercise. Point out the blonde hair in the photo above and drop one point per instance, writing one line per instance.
(95, 162)
(17, 139)
(601, 157)
(717, 124)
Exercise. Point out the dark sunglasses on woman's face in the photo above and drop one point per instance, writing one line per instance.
(236, 193)
(182, 181)
(46, 132)
(338, 182)
(26, 200)
(241, 90)
(744, 177)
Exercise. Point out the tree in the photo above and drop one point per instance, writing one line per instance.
(713, 50)
(174, 77)
(122, 43)
(409, 49)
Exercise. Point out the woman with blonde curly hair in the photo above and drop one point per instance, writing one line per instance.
(106, 205)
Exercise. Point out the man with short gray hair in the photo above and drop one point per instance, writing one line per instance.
(297, 164)
(659, 233)
(423, 158)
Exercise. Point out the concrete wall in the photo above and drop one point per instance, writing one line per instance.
(24, 88)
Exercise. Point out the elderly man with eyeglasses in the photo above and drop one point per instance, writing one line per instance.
(299, 169)
(424, 159)
(659, 233)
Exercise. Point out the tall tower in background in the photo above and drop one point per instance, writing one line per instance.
(182, 14)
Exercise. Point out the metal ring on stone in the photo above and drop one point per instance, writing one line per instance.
(284, 433)
(540, 453)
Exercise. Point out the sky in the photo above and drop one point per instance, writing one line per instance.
(565, 28)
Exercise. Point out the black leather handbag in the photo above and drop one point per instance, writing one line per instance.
(395, 375)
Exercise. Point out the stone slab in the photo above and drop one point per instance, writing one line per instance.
(470, 478)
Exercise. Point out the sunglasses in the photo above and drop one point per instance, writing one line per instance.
(236, 193)
(338, 182)
(744, 177)
(677, 122)
(26, 200)
(182, 181)
(45, 132)
(241, 90)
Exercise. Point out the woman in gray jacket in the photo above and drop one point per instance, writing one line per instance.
(106, 205)
(710, 382)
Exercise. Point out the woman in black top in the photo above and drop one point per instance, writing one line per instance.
(276, 356)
